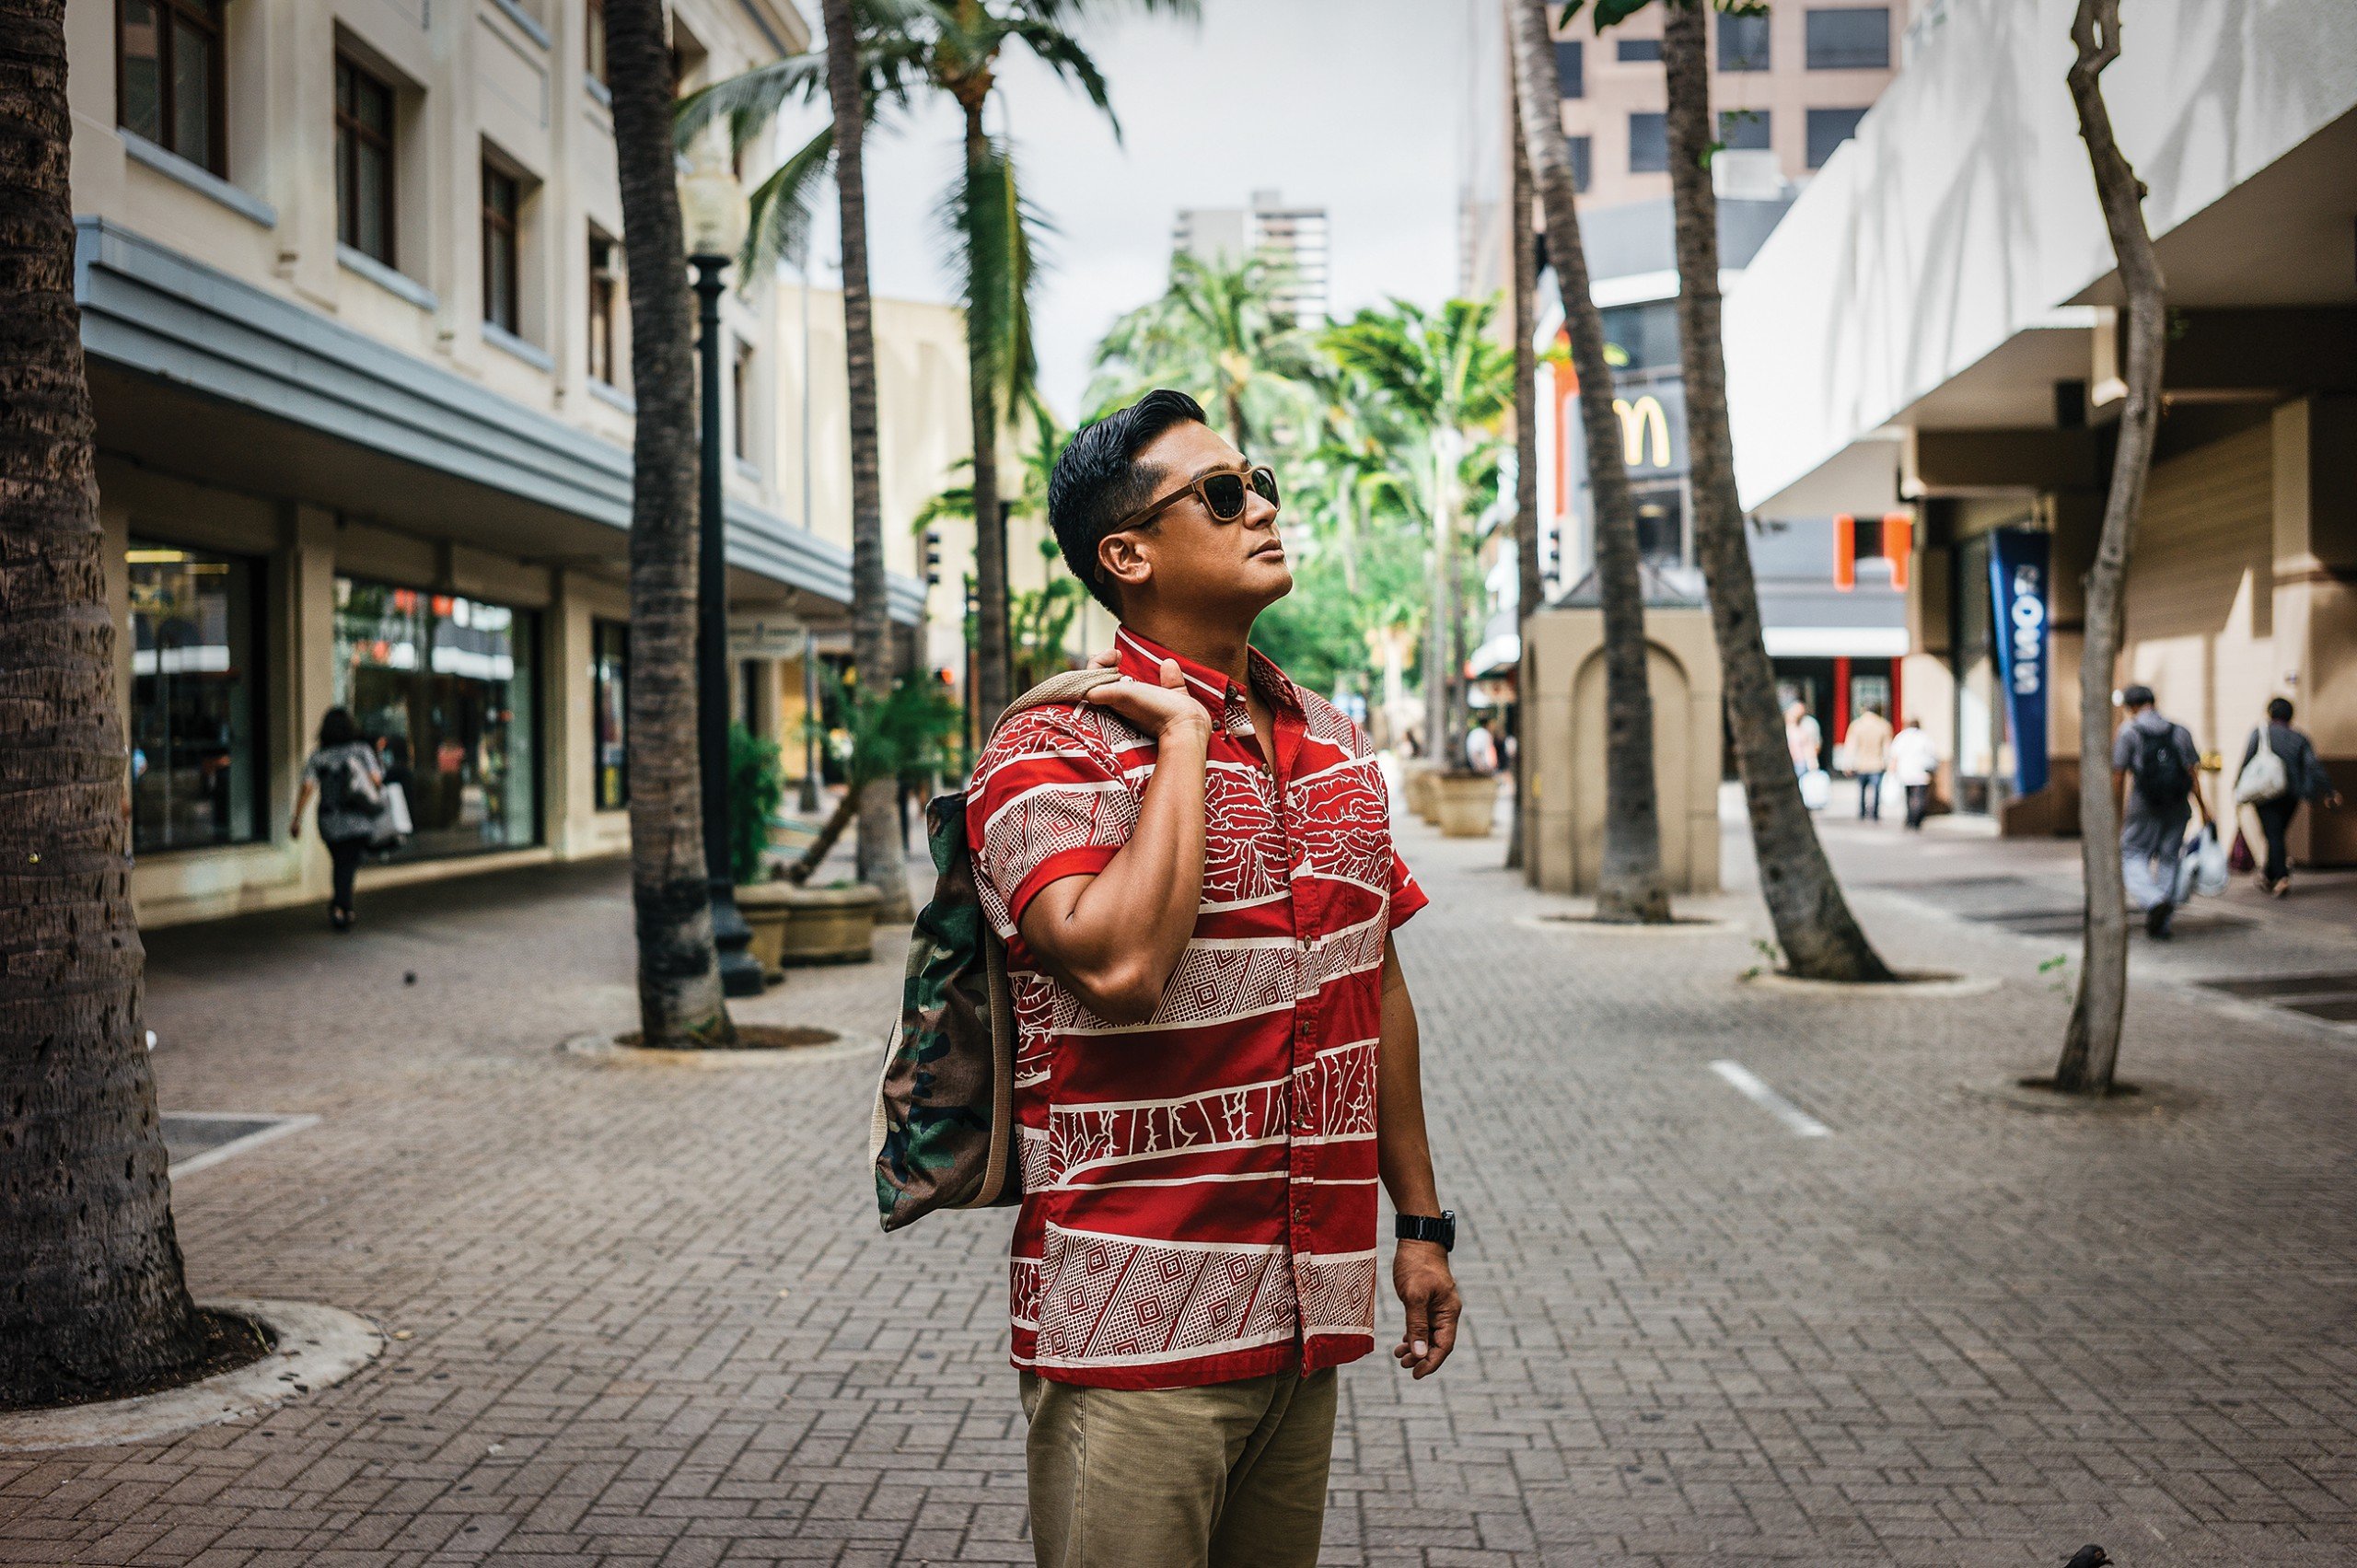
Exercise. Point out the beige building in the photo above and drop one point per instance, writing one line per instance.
(358, 343)
(1932, 330)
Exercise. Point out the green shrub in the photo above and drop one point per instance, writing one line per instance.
(756, 788)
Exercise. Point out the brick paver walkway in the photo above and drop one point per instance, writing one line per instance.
(651, 1320)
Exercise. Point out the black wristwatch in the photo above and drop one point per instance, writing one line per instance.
(1423, 1227)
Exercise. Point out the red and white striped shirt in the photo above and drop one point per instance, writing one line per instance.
(1199, 1189)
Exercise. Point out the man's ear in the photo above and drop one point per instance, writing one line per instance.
(1124, 558)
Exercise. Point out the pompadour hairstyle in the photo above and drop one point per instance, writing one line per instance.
(1098, 480)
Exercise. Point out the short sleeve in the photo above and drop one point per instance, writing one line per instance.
(1407, 894)
(2124, 748)
(1048, 801)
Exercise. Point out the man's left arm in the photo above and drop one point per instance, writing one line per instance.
(1420, 1270)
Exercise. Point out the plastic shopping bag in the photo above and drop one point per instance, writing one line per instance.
(1817, 789)
(2209, 859)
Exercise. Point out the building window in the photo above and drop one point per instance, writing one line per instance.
(1827, 129)
(446, 684)
(170, 88)
(1744, 130)
(1583, 152)
(502, 276)
(1648, 144)
(609, 677)
(1637, 51)
(1855, 38)
(1743, 43)
(363, 161)
(1571, 67)
(194, 699)
(1645, 334)
(601, 310)
(593, 38)
(740, 400)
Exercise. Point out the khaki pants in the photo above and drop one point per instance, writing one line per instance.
(1228, 1476)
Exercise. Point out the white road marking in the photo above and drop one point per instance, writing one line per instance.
(280, 1126)
(1798, 1122)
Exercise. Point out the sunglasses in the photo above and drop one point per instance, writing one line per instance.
(1221, 494)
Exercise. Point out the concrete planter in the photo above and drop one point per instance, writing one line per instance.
(1468, 804)
(830, 925)
(765, 909)
(1423, 791)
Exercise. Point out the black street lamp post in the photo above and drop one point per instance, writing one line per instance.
(740, 973)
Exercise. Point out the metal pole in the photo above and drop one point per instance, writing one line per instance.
(741, 973)
(807, 801)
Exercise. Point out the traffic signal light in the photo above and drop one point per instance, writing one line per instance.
(932, 558)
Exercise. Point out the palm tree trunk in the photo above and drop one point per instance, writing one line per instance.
(94, 1297)
(881, 862)
(1630, 887)
(1529, 589)
(1821, 940)
(990, 528)
(1438, 714)
(2091, 1044)
(679, 1001)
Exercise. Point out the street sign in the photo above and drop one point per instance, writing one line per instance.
(2017, 580)
(766, 636)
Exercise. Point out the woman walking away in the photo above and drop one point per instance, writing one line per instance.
(2290, 774)
(344, 774)
(1913, 761)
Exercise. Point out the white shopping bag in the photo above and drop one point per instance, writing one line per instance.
(2207, 858)
(393, 822)
(1817, 789)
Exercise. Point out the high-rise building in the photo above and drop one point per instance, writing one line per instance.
(1293, 238)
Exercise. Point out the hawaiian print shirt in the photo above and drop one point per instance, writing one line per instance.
(1200, 1188)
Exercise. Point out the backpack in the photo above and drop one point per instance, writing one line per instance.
(943, 1133)
(2163, 776)
(349, 789)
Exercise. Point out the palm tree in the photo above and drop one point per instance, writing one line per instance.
(953, 47)
(1221, 334)
(1529, 589)
(95, 1300)
(1444, 375)
(1630, 887)
(680, 1002)
(882, 863)
(1820, 938)
(2091, 1045)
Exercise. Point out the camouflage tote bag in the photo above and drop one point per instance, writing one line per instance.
(943, 1132)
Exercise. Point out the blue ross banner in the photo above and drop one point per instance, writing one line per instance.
(2017, 584)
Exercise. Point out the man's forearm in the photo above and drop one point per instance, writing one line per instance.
(1403, 1152)
(1117, 935)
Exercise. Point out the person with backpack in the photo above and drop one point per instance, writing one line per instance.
(2160, 766)
(349, 783)
(1189, 863)
(2279, 770)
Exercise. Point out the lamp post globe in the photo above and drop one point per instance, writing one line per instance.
(711, 212)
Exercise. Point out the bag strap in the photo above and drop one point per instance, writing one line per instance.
(1066, 686)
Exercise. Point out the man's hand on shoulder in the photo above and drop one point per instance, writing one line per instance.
(1427, 1288)
(1167, 711)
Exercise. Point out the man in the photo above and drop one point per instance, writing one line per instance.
(2304, 779)
(2160, 767)
(1481, 748)
(1914, 761)
(1195, 877)
(1869, 747)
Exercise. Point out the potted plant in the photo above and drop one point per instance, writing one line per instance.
(1465, 801)
(906, 735)
(755, 789)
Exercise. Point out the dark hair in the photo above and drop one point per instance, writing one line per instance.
(2279, 710)
(336, 728)
(2136, 697)
(1098, 480)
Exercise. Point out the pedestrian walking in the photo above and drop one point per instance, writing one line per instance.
(2275, 788)
(1481, 749)
(2160, 768)
(1913, 761)
(348, 781)
(1802, 739)
(1195, 875)
(1869, 744)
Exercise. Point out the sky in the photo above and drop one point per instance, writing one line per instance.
(1355, 105)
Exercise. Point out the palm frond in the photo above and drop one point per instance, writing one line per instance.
(992, 235)
(779, 214)
(1062, 55)
(749, 102)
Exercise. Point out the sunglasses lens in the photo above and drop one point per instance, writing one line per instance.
(1224, 494)
(1265, 482)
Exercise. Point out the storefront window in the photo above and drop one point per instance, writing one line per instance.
(447, 685)
(609, 681)
(193, 710)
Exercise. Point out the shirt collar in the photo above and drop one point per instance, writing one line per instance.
(1140, 658)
